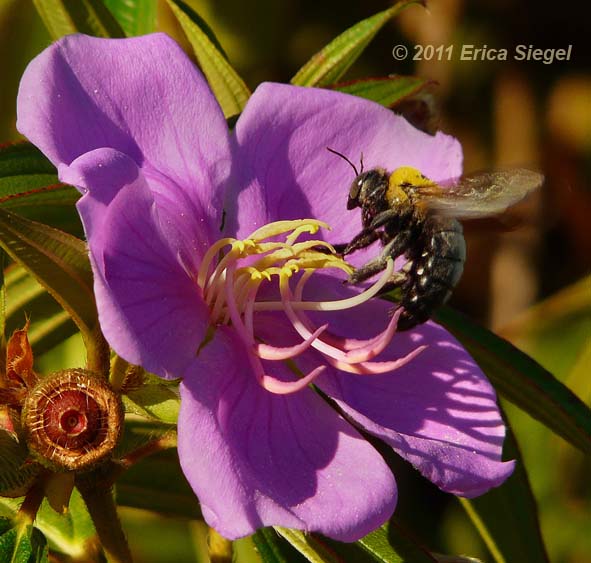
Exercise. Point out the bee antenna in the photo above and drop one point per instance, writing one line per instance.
(361, 163)
(345, 159)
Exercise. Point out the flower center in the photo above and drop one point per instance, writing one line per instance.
(231, 281)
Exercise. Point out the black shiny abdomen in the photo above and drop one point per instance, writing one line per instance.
(437, 251)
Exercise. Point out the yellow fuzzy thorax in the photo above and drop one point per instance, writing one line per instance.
(401, 180)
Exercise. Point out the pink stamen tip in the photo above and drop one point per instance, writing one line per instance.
(268, 352)
(279, 387)
(364, 350)
(375, 368)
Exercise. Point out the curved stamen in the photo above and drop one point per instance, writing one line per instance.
(348, 303)
(267, 352)
(286, 387)
(364, 350)
(375, 368)
(208, 258)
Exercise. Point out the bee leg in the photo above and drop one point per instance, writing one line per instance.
(388, 216)
(392, 250)
(339, 249)
(363, 239)
(368, 270)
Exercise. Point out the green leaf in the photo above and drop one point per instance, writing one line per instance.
(22, 544)
(70, 533)
(523, 381)
(313, 550)
(272, 548)
(60, 263)
(328, 65)
(387, 91)
(23, 167)
(154, 400)
(67, 533)
(30, 186)
(507, 517)
(229, 89)
(390, 544)
(62, 17)
(3, 315)
(136, 17)
(156, 482)
(49, 323)
(15, 474)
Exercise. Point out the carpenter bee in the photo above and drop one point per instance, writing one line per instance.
(415, 217)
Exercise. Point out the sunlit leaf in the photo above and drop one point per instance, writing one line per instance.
(71, 532)
(136, 17)
(311, 549)
(229, 89)
(507, 517)
(21, 544)
(329, 64)
(60, 263)
(388, 544)
(155, 400)
(387, 91)
(523, 381)
(62, 17)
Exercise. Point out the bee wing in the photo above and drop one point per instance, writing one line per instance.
(481, 195)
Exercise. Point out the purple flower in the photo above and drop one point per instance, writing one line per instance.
(134, 125)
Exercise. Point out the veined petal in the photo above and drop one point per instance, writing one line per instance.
(256, 459)
(150, 309)
(140, 96)
(286, 172)
(439, 411)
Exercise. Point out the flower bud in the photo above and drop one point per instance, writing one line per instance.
(72, 420)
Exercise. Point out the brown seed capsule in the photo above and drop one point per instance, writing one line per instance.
(72, 420)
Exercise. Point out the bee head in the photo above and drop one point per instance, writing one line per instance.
(368, 188)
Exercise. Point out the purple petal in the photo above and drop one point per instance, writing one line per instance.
(439, 411)
(257, 459)
(139, 96)
(286, 172)
(150, 309)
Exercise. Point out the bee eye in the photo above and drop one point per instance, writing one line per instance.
(360, 183)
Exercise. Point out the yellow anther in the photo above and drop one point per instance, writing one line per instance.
(312, 229)
(289, 270)
(243, 247)
(281, 227)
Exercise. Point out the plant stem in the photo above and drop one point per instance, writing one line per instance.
(28, 509)
(160, 444)
(97, 353)
(97, 492)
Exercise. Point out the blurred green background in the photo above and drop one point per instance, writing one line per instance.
(530, 283)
